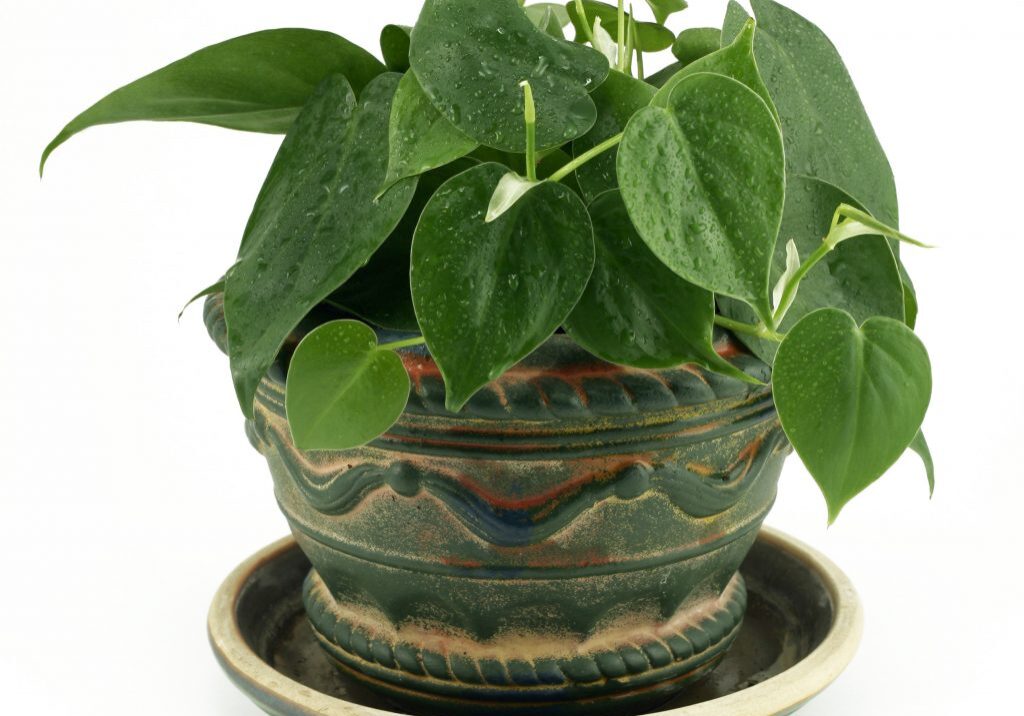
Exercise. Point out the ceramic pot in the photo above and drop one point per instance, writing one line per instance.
(568, 543)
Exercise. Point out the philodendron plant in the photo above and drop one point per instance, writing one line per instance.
(494, 181)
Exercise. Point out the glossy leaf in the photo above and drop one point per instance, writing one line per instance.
(379, 292)
(851, 399)
(920, 446)
(394, 45)
(487, 295)
(636, 311)
(651, 37)
(859, 276)
(617, 100)
(828, 133)
(704, 181)
(470, 58)
(316, 221)
(256, 82)
(420, 138)
(663, 9)
(735, 60)
(343, 389)
(696, 42)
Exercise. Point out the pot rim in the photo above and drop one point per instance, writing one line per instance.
(780, 694)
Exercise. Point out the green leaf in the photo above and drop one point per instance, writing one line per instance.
(617, 100)
(920, 446)
(379, 292)
(549, 17)
(217, 287)
(859, 276)
(695, 43)
(470, 58)
(256, 82)
(315, 222)
(420, 137)
(828, 133)
(487, 295)
(651, 37)
(851, 399)
(735, 60)
(394, 45)
(635, 311)
(343, 389)
(704, 181)
(663, 9)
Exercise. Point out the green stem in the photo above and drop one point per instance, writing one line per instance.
(789, 292)
(760, 331)
(630, 41)
(584, 22)
(639, 50)
(586, 157)
(622, 36)
(407, 343)
(530, 117)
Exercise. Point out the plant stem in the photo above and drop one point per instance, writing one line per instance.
(789, 292)
(622, 36)
(630, 41)
(586, 157)
(760, 331)
(639, 50)
(530, 116)
(407, 343)
(583, 21)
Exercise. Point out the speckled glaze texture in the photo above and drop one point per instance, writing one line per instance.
(568, 543)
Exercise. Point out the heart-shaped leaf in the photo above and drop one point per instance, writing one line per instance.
(617, 100)
(256, 82)
(470, 58)
(343, 389)
(379, 292)
(695, 43)
(828, 133)
(663, 9)
(735, 60)
(851, 399)
(394, 46)
(420, 137)
(651, 37)
(316, 221)
(859, 276)
(636, 311)
(487, 295)
(704, 182)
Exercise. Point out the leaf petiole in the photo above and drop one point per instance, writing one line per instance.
(582, 159)
(848, 223)
(759, 331)
(583, 21)
(623, 57)
(407, 343)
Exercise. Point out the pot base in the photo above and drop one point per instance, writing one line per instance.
(619, 670)
(801, 630)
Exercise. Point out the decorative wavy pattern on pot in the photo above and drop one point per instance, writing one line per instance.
(573, 502)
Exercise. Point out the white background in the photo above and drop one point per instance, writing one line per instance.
(129, 490)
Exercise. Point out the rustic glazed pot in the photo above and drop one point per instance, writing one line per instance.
(568, 543)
